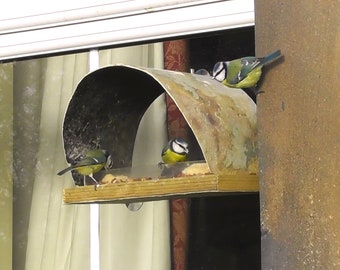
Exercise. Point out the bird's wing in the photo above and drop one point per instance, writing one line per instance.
(241, 68)
(248, 64)
(87, 161)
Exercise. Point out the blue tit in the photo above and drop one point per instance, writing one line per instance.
(176, 151)
(243, 72)
(93, 162)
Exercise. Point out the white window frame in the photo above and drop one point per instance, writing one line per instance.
(114, 23)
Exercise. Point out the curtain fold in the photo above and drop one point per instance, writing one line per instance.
(58, 234)
(27, 98)
(52, 224)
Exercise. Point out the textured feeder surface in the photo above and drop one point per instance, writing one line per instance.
(223, 120)
(109, 103)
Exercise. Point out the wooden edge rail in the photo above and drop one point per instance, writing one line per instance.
(163, 189)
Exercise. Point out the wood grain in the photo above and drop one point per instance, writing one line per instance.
(162, 189)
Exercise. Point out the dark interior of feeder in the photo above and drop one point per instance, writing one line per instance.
(107, 100)
(224, 232)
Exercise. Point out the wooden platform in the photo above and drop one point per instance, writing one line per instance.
(162, 189)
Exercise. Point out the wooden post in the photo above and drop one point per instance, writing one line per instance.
(299, 134)
(176, 58)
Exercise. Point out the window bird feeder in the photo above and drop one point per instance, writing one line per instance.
(105, 112)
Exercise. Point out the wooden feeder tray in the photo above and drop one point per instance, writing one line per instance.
(144, 189)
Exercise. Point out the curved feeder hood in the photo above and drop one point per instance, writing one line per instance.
(108, 104)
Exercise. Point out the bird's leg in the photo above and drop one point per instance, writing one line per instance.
(257, 90)
(252, 92)
(94, 180)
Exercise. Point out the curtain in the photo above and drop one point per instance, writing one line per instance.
(58, 234)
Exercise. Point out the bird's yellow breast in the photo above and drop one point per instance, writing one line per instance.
(172, 157)
(87, 170)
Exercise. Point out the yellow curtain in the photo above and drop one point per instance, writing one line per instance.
(58, 234)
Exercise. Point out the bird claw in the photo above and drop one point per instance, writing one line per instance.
(96, 182)
(256, 91)
(161, 165)
(95, 186)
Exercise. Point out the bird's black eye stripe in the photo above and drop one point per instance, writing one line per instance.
(225, 67)
(219, 72)
(182, 146)
(109, 162)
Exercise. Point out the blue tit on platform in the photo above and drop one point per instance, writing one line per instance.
(243, 72)
(176, 151)
(93, 162)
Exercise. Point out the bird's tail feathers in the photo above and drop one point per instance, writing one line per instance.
(65, 170)
(271, 57)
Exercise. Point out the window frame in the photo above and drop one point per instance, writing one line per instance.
(116, 24)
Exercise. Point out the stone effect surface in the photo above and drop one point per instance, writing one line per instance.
(223, 120)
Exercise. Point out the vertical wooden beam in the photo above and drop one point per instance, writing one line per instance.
(299, 134)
